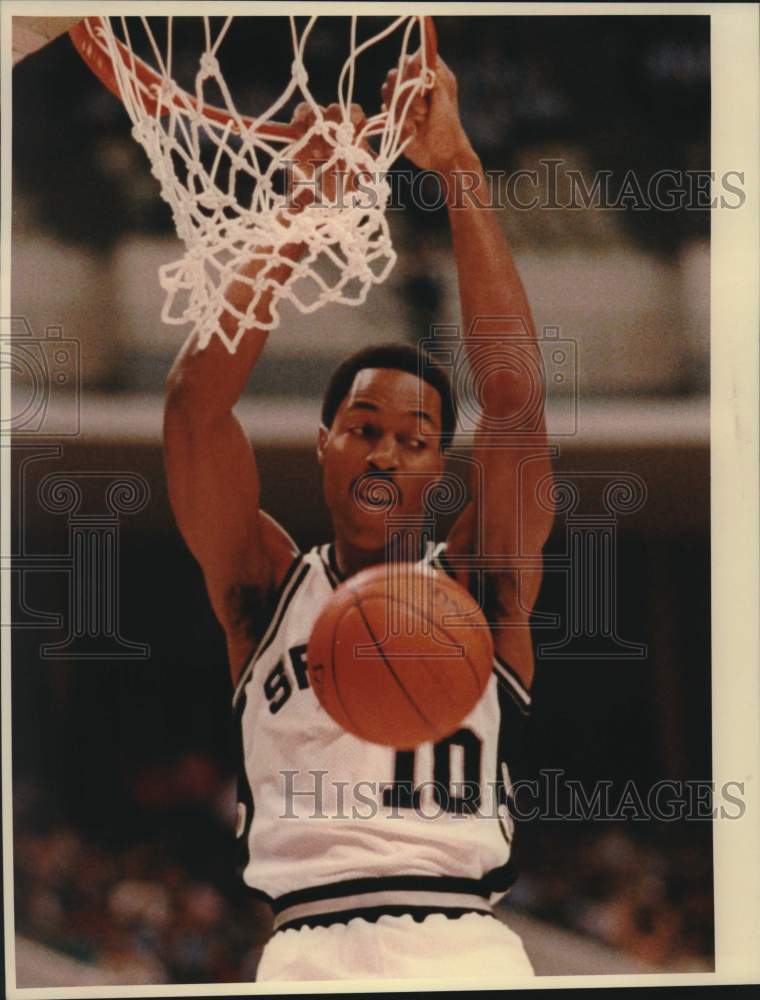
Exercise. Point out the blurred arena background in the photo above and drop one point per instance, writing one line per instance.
(123, 780)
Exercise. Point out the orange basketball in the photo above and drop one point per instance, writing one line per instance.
(400, 655)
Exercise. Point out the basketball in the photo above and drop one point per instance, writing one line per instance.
(400, 655)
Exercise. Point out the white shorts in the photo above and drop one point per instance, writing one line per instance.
(472, 946)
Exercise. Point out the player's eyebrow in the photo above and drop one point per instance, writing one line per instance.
(362, 404)
(423, 415)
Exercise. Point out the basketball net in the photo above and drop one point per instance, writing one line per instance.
(229, 178)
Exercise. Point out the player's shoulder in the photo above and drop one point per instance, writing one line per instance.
(279, 546)
(304, 584)
(317, 564)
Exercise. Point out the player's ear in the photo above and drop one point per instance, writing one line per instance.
(321, 444)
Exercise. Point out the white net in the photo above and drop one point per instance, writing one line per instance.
(237, 184)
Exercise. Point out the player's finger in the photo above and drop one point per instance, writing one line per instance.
(412, 65)
(334, 113)
(418, 108)
(357, 114)
(316, 150)
(303, 115)
(389, 86)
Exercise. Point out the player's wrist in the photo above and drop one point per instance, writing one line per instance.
(464, 173)
(462, 159)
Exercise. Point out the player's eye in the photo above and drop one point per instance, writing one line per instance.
(362, 430)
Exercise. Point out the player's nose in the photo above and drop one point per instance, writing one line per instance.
(384, 456)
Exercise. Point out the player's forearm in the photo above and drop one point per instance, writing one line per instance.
(491, 292)
(210, 381)
(489, 284)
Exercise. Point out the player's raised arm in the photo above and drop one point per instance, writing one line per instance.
(505, 518)
(212, 476)
(211, 470)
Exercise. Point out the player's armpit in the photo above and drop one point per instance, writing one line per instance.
(507, 596)
(508, 601)
(214, 492)
(249, 600)
(249, 606)
(514, 646)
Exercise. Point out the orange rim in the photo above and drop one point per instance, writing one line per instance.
(86, 37)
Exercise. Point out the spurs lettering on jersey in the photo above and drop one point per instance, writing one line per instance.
(318, 806)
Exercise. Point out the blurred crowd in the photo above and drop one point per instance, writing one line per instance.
(133, 912)
(154, 897)
(642, 888)
(158, 900)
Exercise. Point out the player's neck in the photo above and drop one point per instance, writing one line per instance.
(349, 559)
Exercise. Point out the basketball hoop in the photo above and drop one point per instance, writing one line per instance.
(226, 174)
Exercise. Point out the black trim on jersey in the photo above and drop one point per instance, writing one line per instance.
(372, 915)
(333, 563)
(514, 711)
(244, 792)
(501, 879)
(330, 561)
(398, 883)
(327, 558)
(509, 680)
(513, 674)
(289, 573)
(287, 591)
(439, 561)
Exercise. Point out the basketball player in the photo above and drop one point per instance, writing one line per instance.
(365, 878)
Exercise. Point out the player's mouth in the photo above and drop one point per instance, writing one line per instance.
(376, 493)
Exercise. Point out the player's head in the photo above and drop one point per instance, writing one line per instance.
(387, 417)
(401, 357)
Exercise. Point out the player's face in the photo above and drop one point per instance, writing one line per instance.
(381, 454)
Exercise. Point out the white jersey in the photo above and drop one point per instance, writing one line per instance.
(331, 826)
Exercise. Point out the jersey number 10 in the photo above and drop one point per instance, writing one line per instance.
(462, 800)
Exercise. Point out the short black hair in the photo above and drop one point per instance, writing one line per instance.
(403, 357)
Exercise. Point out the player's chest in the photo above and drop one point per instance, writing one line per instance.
(279, 683)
